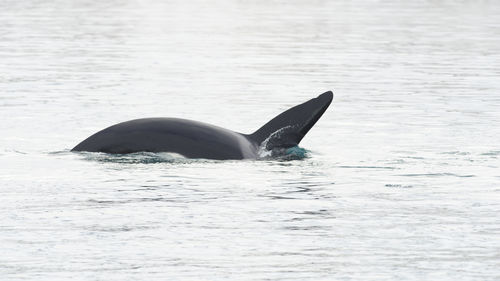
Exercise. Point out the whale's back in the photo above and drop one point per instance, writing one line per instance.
(191, 139)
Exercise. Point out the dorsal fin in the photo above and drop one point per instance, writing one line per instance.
(288, 128)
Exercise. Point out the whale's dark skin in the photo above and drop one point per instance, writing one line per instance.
(194, 139)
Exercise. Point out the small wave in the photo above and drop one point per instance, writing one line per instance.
(437, 175)
(129, 201)
(398, 185)
(284, 154)
(461, 153)
(368, 167)
(15, 151)
(60, 152)
(491, 153)
(135, 158)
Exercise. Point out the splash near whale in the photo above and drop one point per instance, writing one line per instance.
(193, 139)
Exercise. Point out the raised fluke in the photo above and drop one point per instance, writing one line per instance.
(288, 128)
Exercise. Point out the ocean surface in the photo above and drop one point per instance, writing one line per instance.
(400, 181)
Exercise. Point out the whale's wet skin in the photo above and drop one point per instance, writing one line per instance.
(195, 139)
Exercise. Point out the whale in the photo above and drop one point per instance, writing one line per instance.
(194, 139)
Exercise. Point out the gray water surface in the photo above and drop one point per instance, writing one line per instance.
(401, 180)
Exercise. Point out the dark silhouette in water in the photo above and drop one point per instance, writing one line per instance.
(195, 139)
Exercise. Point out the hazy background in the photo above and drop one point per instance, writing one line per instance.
(402, 177)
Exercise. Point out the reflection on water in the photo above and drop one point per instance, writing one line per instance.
(398, 180)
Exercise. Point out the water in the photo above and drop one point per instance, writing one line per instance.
(401, 176)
